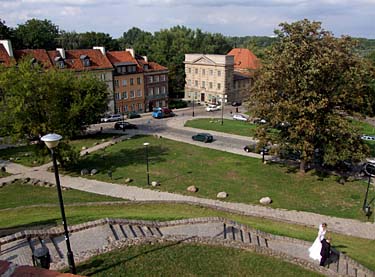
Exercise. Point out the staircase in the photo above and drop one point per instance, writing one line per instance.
(100, 236)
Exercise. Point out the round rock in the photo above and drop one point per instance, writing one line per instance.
(265, 200)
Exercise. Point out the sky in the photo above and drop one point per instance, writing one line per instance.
(228, 17)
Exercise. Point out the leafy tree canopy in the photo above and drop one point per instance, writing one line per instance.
(309, 84)
(5, 31)
(36, 34)
(35, 102)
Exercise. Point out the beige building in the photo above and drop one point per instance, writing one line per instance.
(208, 78)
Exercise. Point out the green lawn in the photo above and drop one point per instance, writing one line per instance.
(178, 165)
(235, 127)
(91, 140)
(17, 194)
(182, 259)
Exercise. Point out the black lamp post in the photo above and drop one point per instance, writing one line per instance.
(193, 106)
(223, 100)
(51, 141)
(370, 171)
(146, 144)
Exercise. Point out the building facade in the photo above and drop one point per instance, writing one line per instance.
(128, 81)
(209, 78)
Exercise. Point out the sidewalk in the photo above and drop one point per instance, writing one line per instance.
(340, 225)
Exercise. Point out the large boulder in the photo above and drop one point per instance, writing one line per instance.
(128, 180)
(192, 189)
(222, 194)
(155, 183)
(93, 171)
(265, 200)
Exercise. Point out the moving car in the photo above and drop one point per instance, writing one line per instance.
(240, 117)
(162, 112)
(133, 115)
(205, 137)
(124, 125)
(212, 108)
(111, 118)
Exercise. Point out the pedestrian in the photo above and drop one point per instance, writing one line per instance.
(326, 250)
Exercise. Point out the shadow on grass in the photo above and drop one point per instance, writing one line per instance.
(99, 265)
(43, 224)
(106, 160)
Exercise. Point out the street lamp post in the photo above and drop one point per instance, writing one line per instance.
(370, 171)
(223, 99)
(193, 106)
(146, 144)
(51, 141)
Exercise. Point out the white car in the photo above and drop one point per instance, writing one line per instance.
(212, 108)
(240, 117)
(112, 118)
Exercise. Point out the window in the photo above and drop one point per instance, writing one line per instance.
(117, 110)
(163, 90)
(196, 83)
(140, 106)
(203, 72)
(211, 72)
(117, 96)
(132, 94)
(126, 108)
(139, 80)
(189, 69)
(102, 76)
(156, 78)
(124, 95)
(151, 91)
(210, 84)
(162, 78)
(219, 73)
(139, 93)
(156, 91)
(189, 83)
(196, 71)
(203, 84)
(131, 81)
(149, 79)
(124, 83)
(218, 86)
(133, 107)
(116, 83)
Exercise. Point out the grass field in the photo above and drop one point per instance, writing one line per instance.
(229, 126)
(245, 179)
(19, 213)
(181, 259)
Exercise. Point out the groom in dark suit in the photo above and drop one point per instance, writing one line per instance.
(326, 250)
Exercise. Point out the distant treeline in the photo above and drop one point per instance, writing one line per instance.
(166, 47)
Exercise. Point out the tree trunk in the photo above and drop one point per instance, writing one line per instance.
(302, 166)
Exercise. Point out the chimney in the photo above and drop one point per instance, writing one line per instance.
(62, 52)
(8, 46)
(131, 50)
(101, 48)
(145, 58)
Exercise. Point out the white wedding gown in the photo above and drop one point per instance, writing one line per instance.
(316, 247)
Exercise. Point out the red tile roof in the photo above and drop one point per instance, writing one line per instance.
(40, 55)
(244, 59)
(122, 57)
(73, 61)
(156, 66)
(4, 56)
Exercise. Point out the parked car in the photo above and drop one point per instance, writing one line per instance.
(205, 137)
(124, 125)
(240, 117)
(133, 115)
(159, 112)
(252, 147)
(212, 108)
(111, 118)
(260, 121)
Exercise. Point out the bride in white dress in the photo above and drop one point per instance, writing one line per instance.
(316, 247)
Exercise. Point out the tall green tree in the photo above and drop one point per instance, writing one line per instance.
(35, 102)
(5, 31)
(310, 83)
(36, 34)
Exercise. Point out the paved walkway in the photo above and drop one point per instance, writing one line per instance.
(340, 225)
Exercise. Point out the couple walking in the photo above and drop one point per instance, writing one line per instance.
(321, 248)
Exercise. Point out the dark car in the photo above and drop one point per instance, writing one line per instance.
(133, 115)
(252, 147)
(205, 137)
(124, 125)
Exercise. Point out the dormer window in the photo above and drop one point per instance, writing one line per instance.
(85, 60)
(145, 66)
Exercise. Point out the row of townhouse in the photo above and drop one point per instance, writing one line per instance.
(212, 78)
(133, 83)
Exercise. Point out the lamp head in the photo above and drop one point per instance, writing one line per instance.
(51, 140)
(146, 144)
